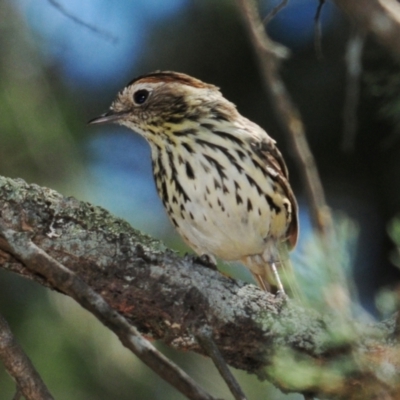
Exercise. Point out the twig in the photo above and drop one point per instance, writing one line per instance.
(275, 11)
(354, 50)
(17, 395)
(293, 128)
(79, 21)
(66, 281)
(318, 31)
(20, 367)
(380, 17)
(204, 337)
(269, 56)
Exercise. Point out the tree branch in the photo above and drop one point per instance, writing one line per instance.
(380, 17)
(20, 367)
(270, 55)
(354, 50)
(169, 298)
(37, 261)
(58, 6)
(203, 336)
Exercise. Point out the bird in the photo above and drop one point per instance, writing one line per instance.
(221, 178)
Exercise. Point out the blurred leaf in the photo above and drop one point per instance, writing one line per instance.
(386, 302)
(323, 269)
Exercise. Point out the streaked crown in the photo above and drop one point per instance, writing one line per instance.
(162, 99)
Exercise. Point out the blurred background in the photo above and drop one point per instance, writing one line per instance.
(61, 64)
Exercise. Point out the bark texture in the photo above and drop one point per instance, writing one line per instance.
(169, 298)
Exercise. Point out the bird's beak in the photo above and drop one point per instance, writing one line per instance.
(110, 116)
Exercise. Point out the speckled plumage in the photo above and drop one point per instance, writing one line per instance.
(221, 178)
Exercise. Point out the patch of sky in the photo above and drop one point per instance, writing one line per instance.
(122, 180)
(294, 25)
(89, 57)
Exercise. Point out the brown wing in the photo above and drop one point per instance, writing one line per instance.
(269, 153)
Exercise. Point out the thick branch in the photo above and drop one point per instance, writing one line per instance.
(169, 298)
(65, 280)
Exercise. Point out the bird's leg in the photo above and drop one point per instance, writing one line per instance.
(261, 282)
(207, 260)
(277, 278)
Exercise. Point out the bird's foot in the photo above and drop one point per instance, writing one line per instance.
(280, 295)
(206, 260)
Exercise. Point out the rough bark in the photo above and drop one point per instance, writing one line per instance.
(169, 297)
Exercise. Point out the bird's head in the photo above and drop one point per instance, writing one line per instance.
(164, 101)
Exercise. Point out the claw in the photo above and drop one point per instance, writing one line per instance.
(207, 261)
(280, 295)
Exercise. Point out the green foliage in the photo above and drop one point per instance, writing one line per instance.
(39, 125)
(324, 268)
(386, 302)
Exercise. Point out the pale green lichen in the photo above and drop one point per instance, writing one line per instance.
(41, 204)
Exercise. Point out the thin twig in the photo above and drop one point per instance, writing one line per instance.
(269, 59)
(292, 126)
(204, 338)
(354, 51)
(20, 367)
(73, 17)
(275, 11)
(380, 17)
(17, 395)
(67, 282)
(318, 31)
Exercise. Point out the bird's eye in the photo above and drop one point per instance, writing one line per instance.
(140, 96)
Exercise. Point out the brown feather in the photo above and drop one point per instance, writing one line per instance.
(273, 158)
